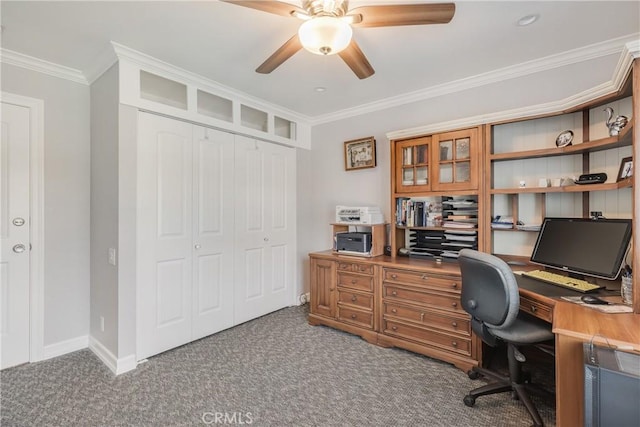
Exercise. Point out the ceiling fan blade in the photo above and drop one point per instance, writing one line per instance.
(275, 7)
(285, 52)
(356, 60)
(404, 14)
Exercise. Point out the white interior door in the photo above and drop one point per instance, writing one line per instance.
(265, 228)
(15, 236)
(165, 234)
(212, 231)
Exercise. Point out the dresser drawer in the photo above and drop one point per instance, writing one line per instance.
(354, 316)
(355, 281)
(419, 296)
(536, 308)
(445, 283)
(356, 299)
(429, 318)
(427, 336)
(355, 267)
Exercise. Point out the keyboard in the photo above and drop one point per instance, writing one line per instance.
(563, 281)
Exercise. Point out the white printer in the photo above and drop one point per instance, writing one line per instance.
(359, 215)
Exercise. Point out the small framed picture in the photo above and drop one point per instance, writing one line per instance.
(360, 153)
(626, 169)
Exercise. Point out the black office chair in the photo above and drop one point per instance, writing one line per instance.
(490, 295)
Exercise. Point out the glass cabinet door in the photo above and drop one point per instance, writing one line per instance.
(412, 165)
(456, 160)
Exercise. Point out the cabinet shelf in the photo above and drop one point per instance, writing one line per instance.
(452, 229)
(628, 182)
(622, 140)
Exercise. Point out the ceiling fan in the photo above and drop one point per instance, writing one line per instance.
(326, 29)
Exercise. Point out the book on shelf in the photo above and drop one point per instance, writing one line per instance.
(459, 217)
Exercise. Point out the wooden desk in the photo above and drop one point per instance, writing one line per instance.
(574, 325)
(351, 306)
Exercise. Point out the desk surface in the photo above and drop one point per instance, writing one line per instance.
(550, 294)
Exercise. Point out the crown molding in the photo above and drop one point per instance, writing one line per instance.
(630, 50)
(40, 65)
(594, 51)
(100, 65)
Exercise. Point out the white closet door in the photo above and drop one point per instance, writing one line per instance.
(164, 234)
(265, 228)
(213, 223)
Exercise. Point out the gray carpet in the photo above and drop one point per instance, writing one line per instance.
(273, 371)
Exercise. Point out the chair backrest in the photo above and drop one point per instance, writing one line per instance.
(489, 290)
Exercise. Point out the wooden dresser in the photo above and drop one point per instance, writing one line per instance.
(395, 302)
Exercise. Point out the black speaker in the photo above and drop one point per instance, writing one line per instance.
(592, 178)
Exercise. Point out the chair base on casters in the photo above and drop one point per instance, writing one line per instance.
(516, 382)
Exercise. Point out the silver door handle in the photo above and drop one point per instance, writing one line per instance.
(18, 222)
(19, 248)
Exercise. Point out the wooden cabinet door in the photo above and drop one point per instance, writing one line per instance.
(455, 160)
(323, 287)
(412, 165)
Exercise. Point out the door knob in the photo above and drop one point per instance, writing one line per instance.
(197, 246)
(18, 222)
(266, 239)
(19, 248)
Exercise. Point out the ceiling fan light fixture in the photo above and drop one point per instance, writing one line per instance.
(325, 35)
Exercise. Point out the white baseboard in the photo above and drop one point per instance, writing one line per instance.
(117, 366)
(64, 347)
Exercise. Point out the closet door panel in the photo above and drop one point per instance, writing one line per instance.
(212, 231)
(265, 228)
(164, 234)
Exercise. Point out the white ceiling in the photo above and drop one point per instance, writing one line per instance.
(225, 43)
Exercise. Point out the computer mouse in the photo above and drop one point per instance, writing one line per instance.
(592, 299)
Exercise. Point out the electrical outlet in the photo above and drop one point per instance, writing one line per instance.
(101, 324)
(112, 256)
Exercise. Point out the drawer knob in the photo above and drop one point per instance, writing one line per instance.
(394, 293)
(331, 289)
(422, 317)
(394, 276)
(354, 298)
(454, 324)
(424, 277)
(533, 308)
(454, 344)
(395, 328)
(393, 310)
(454, 285)
(362, 268)
(354, 281)
(353, 316)
(454, 304)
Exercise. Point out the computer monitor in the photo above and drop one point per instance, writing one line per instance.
(590, 247)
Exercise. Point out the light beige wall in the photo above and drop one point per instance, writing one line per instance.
(66, 199)
(104, 208)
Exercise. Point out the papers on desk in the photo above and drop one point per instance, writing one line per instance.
(609, 308)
